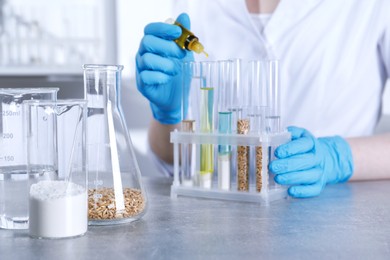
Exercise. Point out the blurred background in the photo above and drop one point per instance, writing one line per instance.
(44, 43)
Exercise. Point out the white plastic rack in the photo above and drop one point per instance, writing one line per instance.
(270, 190)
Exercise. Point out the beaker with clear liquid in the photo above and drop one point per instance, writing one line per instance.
(13, 155)
(115, 191)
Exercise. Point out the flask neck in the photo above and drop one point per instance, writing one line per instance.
(102, 86)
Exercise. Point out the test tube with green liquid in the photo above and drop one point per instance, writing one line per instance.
(206, 126)
(207, 122)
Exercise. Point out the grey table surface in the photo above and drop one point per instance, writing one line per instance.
(348, 221)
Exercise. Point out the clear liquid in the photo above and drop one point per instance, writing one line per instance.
(14, 193)
(13, 199)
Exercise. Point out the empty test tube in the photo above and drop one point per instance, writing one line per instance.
(235, 95)
(274, 110)
(273, 87)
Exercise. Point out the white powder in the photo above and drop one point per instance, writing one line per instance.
(57, 209)
(224, 172)
(205, 180)
(187, 183)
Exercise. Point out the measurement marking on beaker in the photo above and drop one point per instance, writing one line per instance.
(8, 135)
(10, 113)
(8, 158)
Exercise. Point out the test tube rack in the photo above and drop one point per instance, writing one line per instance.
(268, 142)
(230, 127)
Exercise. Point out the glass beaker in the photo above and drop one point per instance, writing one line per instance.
(56, 139)
(115, 194)
(13, 157)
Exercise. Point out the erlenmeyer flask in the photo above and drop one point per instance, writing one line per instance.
(115, 194)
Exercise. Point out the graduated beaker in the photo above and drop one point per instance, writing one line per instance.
(115, 194)
(57, 168)
(13, 156)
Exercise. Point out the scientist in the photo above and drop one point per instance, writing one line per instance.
(335, 60)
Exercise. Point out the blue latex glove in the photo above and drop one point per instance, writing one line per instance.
(158, 73)
(307, 164)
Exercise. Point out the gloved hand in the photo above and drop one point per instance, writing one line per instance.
(158, 73)
(307, 164)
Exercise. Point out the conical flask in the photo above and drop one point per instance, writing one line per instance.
(115, 191)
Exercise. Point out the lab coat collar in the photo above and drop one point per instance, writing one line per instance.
(287, 15)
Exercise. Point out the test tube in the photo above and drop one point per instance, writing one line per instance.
(240, 124)
(191, 83)
(235, 99)
(225, 86)
(258, 110)
(274, 116)
(187, 154)
(208, 78)
(242, 157)
(190, 114)
(260, 157)
(235, 102)
(274, 124)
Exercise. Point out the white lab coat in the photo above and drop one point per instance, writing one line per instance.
(334, 55)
